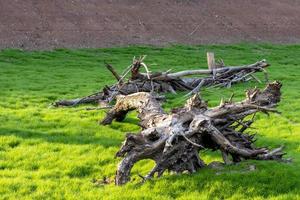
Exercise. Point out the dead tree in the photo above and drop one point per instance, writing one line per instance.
(174, 140)
(161, 82)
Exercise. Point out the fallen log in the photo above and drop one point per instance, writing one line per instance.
(162, 82)
(174, 140)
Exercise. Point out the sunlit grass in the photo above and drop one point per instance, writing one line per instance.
(56, 153)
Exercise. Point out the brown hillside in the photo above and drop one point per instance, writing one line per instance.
(44, 24)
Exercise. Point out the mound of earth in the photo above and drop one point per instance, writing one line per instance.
(35, 24)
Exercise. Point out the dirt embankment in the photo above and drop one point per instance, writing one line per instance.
(45, 24)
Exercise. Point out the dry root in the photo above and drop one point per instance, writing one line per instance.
(174, 140)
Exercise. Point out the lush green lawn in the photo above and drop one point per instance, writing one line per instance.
(56, 153)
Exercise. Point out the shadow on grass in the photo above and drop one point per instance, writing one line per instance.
(265, 182)
(269, 179)
(64, 139)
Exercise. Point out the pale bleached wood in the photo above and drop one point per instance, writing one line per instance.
(211, 63)
(174, 140)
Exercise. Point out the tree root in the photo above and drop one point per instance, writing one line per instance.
(174, 140)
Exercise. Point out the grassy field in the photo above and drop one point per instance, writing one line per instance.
(57, 153)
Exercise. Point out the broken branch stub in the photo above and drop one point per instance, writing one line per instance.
(174, 140)
(211, 60)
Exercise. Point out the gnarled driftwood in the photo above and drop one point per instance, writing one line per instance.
(174, 140)
(162, 82)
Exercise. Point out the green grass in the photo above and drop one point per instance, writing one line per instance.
(56, 153)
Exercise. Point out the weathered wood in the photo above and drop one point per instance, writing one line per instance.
(255, 66)
(174, 140)
(162, 82)
(113, 71)
(211, 61)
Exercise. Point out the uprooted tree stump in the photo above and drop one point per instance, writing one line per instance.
(161, 82)
(174, 140)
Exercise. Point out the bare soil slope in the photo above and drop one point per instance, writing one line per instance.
(44, 24)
